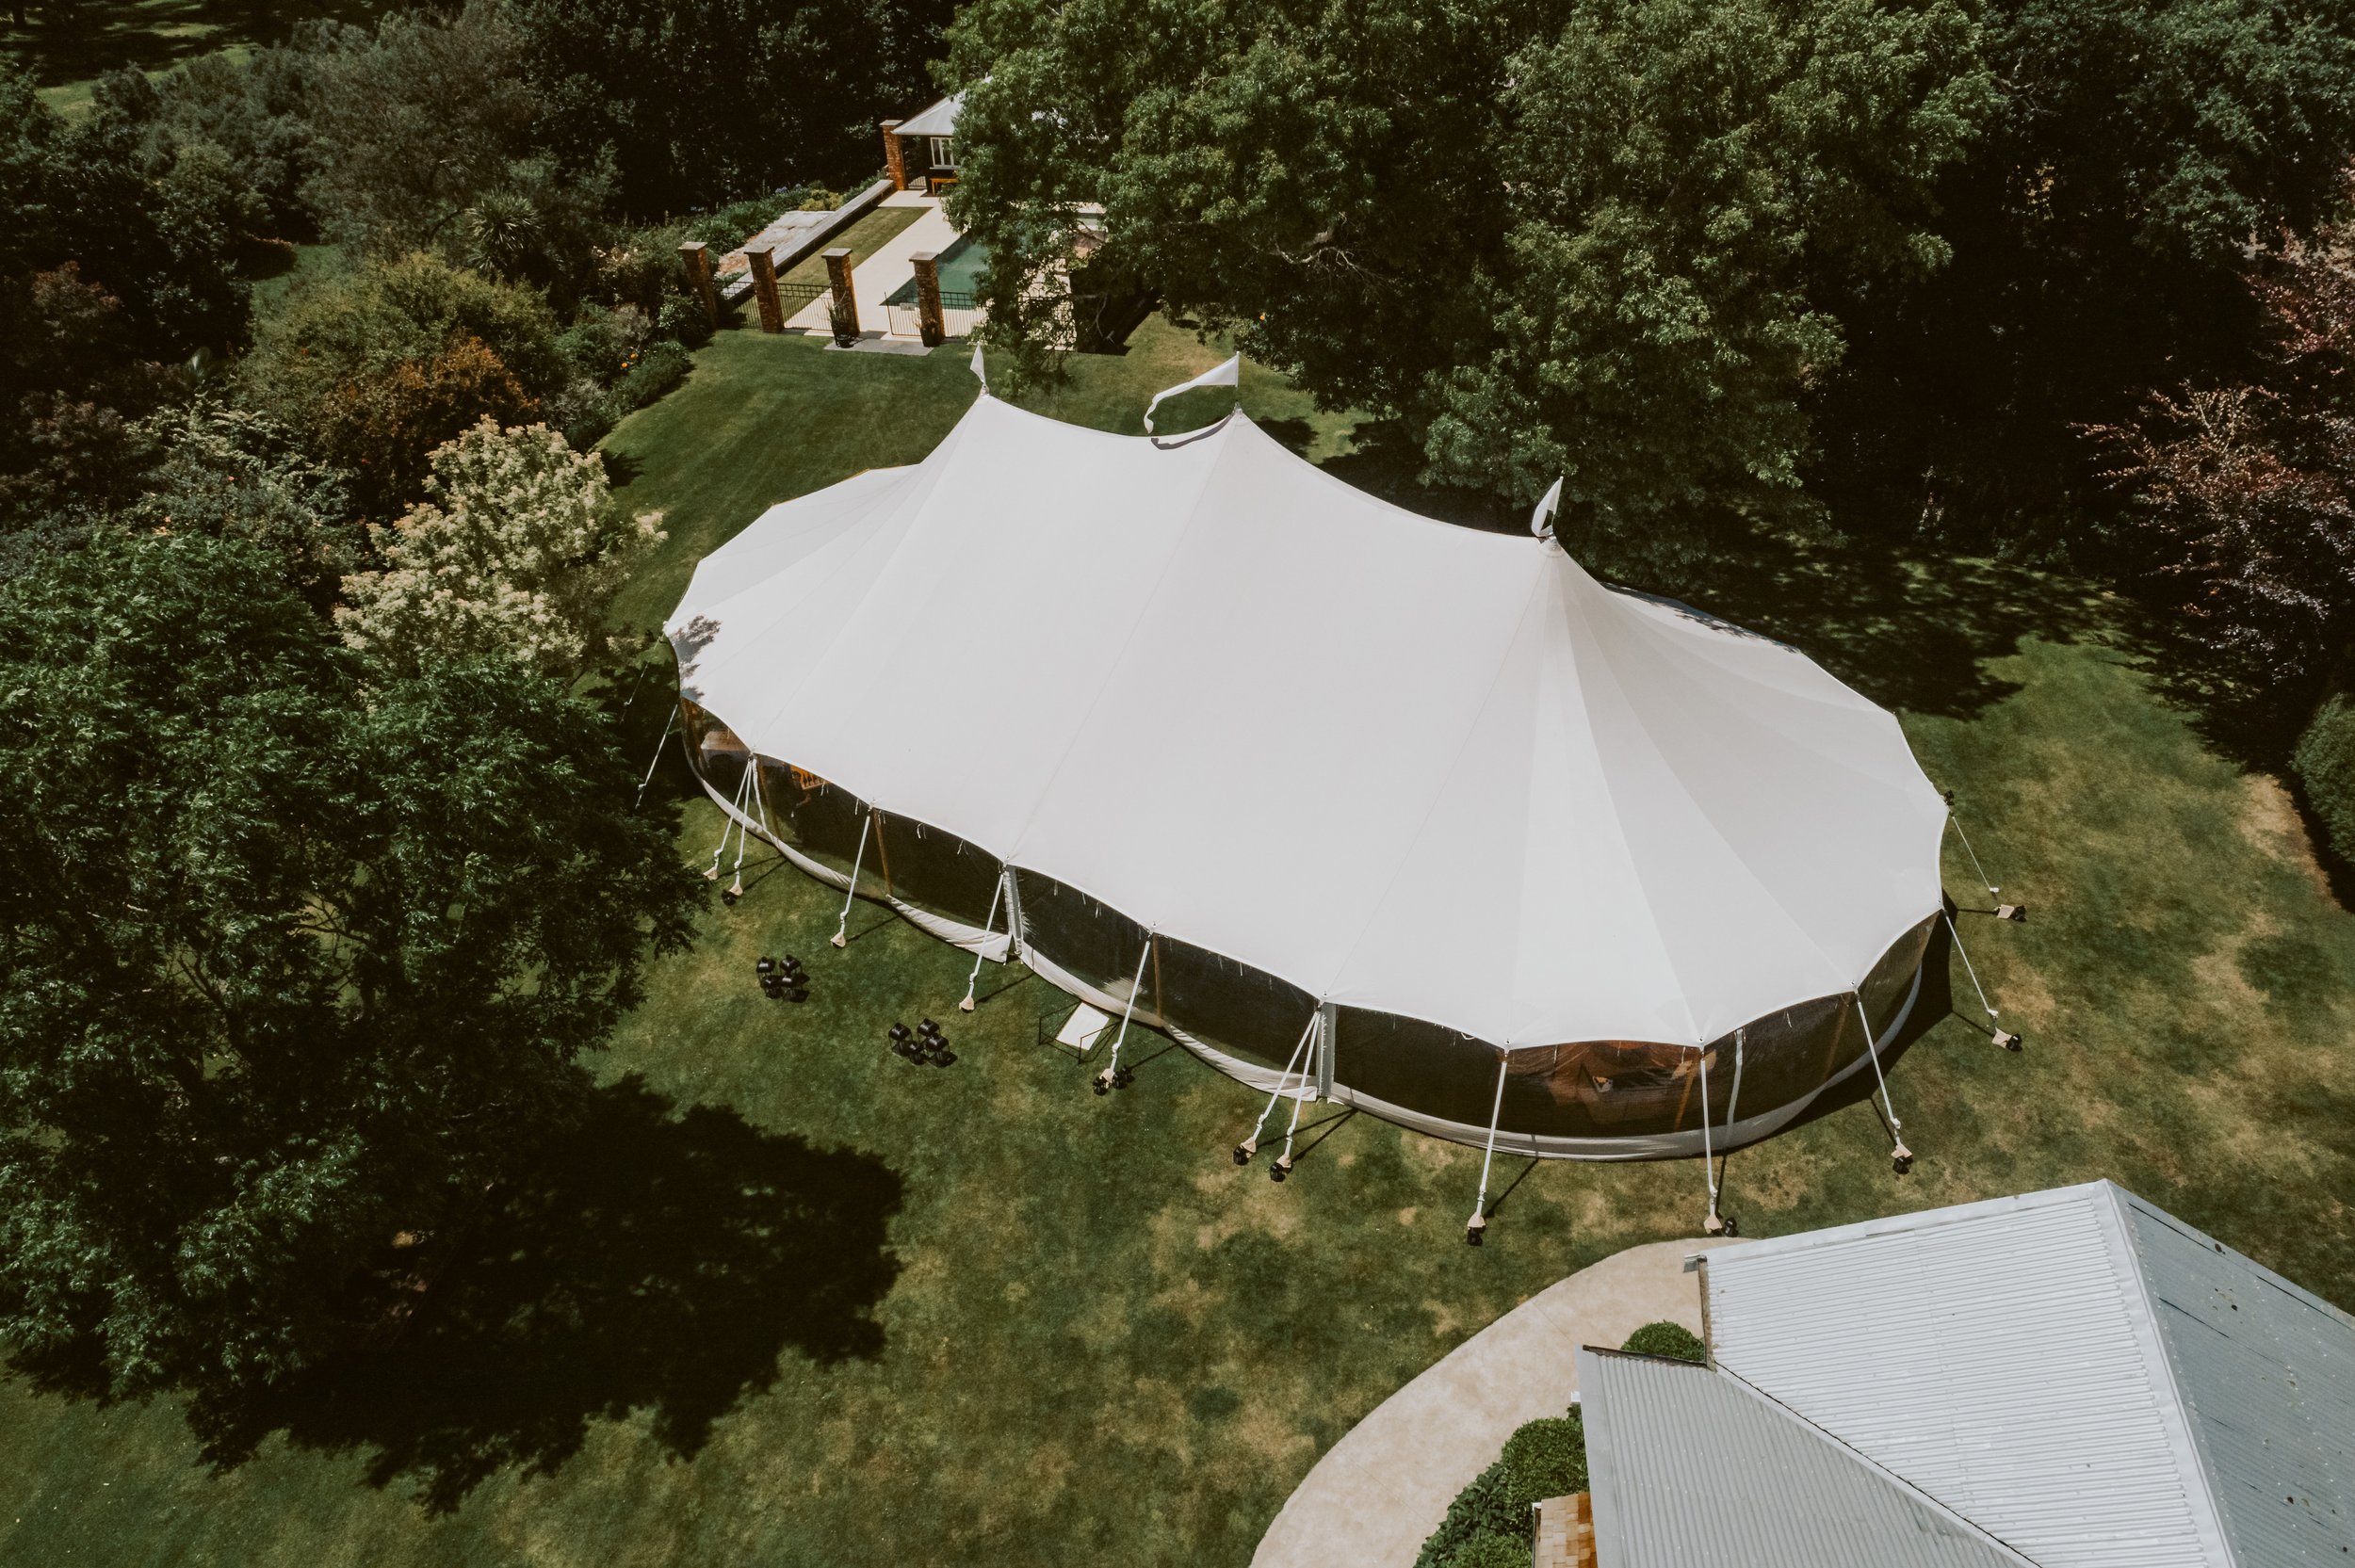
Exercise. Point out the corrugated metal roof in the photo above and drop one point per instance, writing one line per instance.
(2066, 1371)
(1692, 1468)
(2266, 1373)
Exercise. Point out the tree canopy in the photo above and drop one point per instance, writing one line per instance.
(293, 969)
(1691, 255)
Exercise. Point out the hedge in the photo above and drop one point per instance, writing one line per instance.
(2324, 765)
(1672, 1340)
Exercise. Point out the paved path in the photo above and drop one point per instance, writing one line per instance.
(874, 280)
(1379, 1490)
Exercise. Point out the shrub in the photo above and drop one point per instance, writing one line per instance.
(683, 321)
(1483, 1508)
(514, 551)
(1488, 1550)
(2324, 765)
(662, 366)
(1671, 1340)
(378, 365)
(1544, 1459)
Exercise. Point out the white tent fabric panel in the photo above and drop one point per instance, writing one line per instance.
(1402, 764)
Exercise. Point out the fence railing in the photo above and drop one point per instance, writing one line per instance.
(958, 316)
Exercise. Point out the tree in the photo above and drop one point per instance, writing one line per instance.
(2100, 227)
(1536, 256)
(514, 553)
(2243, 494)
(295, 972)
(377, 367)
(228, 472)
(701, 100)
(1681, 168)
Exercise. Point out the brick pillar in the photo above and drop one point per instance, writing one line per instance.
(895, 161)
(696, 256)
(765, 289)
(844, 306)
(932, 329)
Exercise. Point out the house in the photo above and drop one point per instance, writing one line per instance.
(922, 153)
(2072, 1379)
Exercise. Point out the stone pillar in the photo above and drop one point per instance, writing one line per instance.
(843, 308)
(696, 255)
(895, 161)
(764, 266)
(930, 325)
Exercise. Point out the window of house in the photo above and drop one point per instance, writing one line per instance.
(944, 152)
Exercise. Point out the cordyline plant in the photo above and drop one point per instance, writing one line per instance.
(514, 551)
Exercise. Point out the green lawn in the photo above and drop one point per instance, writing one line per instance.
(790, 1300)
(68, 45)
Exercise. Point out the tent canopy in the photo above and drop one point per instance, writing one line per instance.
(1402, 764)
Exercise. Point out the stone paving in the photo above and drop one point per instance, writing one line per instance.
(1377, 1493)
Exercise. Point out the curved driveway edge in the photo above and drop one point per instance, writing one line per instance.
(1374, 1496)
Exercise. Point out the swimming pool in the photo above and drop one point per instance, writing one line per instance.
(961, 268)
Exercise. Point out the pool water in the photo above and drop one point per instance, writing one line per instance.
(961, 268)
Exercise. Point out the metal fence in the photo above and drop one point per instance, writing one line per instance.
(958, 316)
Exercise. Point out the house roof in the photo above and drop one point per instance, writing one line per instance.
(940, 120)
(2078, 1372)
(1690, 1468)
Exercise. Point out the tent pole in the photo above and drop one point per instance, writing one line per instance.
(751, 790)
(856, 860)
(728, 826)
(1479, 1221)
(1250, 1145)
(658, 757)
(1708, 1155)
(989, 922)
(1109, 1077)
(1899, 1156)
(1733, 1100)
(2002, 1037)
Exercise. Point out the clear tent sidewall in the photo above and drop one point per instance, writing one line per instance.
(1595, 1100)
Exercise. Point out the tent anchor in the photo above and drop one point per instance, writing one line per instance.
(1250, 1145)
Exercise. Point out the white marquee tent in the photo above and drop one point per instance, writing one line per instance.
(1191, 705)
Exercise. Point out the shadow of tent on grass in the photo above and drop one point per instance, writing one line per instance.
(659, 1263)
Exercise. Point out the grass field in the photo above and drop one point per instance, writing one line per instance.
(791, 1300)
(68, 45)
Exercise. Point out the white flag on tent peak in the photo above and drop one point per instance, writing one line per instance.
(1541, 521)
(979, 374)
(1226, 374)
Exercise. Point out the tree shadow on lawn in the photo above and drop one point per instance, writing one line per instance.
(659, 1262)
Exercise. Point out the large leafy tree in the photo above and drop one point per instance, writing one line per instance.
(1587, 253)
(2101, 226)
(700, 101)
(292, 969)
(1692, 254)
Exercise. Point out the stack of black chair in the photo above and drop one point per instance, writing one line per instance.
(781, 979)
(903, 1042)
(933, 1045)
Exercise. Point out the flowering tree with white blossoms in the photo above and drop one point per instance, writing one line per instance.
(513, 550)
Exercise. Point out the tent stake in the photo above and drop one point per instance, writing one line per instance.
(1479, 1221)
(1250, 1145)
(1712, 1225)
(856, 860)
(1899, 1156)
(988, 921)
(1108, 1080)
